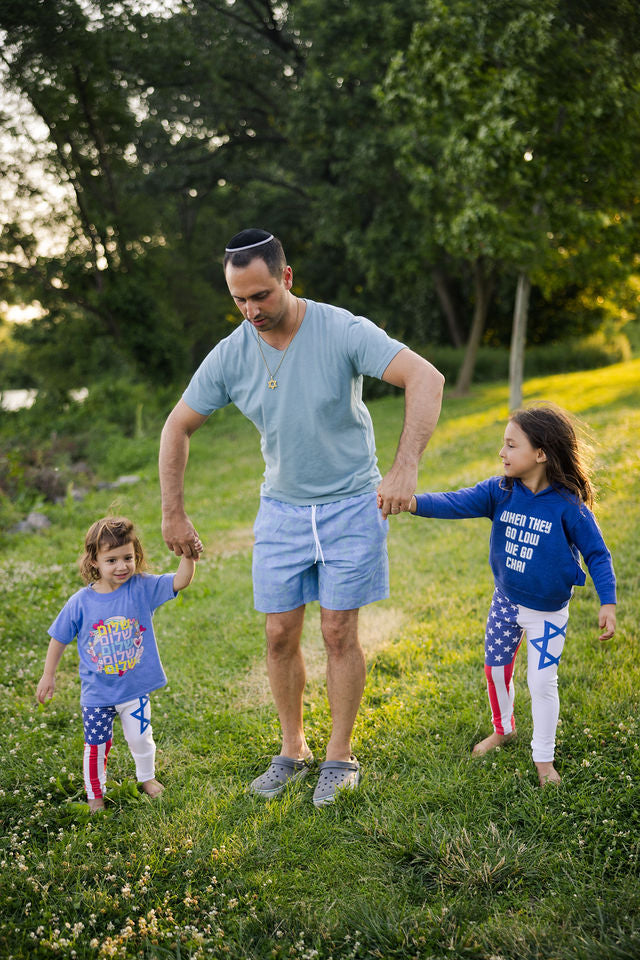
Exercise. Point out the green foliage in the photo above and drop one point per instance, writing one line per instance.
(60, 448)
(131, 102)
(436, 854)
(492, 363)
(512, 126)
(506, 117)
(384, 143)
(13, 366)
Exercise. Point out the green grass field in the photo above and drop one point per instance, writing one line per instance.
(437, 855)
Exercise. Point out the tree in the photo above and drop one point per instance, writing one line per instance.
(159, 124)
(517, 127)
(360, 242)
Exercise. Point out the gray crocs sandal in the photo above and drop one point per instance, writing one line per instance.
(281, 771)
(335, 775)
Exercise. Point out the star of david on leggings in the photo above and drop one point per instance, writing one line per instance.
(135, 717)
(545, 630)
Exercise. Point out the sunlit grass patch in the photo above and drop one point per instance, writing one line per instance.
(438, 854)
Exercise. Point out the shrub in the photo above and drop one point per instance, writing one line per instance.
(492, 363)
(58, 443)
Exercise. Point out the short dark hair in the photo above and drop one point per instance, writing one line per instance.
(262, 245)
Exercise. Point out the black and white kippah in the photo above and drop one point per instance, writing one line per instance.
(247, 239)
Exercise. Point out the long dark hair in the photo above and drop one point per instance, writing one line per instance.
(551, 429)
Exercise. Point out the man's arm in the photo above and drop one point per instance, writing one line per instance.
(177, 530)
(422, 385)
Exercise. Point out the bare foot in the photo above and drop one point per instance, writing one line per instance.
(547, 773)
(96, 804)
(153, 788)
(491, 742)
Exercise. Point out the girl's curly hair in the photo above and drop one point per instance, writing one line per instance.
(105, 534)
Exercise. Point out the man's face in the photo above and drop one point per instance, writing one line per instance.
(261, 298)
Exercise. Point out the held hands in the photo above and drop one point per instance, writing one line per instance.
(395, 491)
(607, 620)
(180, 536)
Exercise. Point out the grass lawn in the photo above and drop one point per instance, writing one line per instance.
(437, 855)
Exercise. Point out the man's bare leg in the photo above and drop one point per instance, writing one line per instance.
(287, 676)
(346, 672)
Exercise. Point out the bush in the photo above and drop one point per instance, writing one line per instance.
(59, 444)
(492, 363)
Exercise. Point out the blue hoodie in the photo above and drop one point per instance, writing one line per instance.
(536, 540)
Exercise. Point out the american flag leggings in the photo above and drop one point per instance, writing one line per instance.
(135, 717)
(507, 624)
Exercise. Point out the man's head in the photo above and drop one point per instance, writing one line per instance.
(259, 279)
(251, 244)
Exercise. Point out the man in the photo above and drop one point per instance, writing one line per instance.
(294, 367)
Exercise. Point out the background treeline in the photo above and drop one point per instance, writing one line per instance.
(423, 162)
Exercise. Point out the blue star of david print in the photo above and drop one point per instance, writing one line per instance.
(139, 714)
(542, 644)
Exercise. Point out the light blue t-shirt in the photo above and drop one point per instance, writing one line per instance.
(316, 433)
(119, 657)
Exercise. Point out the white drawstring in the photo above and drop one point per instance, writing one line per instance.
(315, 535)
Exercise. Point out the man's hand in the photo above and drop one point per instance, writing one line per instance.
(181, 538)
(396, 489)
(607, 620)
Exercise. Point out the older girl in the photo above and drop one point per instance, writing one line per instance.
(541, 523)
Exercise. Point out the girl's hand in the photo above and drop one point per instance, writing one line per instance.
(46, 689)
(607, 620)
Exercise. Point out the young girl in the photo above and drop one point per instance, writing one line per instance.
(111, 618)
(541, 523)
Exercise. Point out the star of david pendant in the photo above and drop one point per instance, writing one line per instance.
(272, 384)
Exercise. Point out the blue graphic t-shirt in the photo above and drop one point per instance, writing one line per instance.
(119, 658)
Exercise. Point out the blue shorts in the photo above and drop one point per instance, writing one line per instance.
(332, 552)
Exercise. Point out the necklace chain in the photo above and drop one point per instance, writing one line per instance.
(272, 383)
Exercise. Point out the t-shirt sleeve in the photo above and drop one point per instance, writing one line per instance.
(371, 350)
(158, 588)
(207, 390)
(64, 628)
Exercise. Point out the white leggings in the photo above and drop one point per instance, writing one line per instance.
(545, 630)
(135, 717)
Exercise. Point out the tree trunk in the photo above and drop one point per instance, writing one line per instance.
(483, 285)
(448, 305)
(518, 340)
